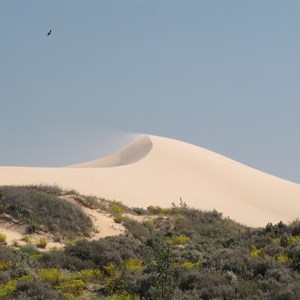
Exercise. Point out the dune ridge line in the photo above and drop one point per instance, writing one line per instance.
(159, 171)
(128, 155)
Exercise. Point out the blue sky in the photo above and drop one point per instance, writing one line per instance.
(223, 75)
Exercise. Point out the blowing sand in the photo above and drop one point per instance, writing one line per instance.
(158, 171)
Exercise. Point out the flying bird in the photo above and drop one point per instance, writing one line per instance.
(49, 32)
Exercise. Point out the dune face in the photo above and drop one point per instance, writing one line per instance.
(126, 156)
(159, 171)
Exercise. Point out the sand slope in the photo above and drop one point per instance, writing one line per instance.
(158, 171)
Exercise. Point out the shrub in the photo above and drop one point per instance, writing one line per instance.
(124, 296)
(178, 240)
(27, 239)
(295, 227)
(60, 259)
(255, 252)
(32, 227)
(53, 276)
(155, 210)
(8, 288)
(293, 239)
(91, 275)
(190, 265)
(2, 207)
(37, 207)
(15, 243)
(42, 243)
(163, 274)
(116, 209)
(139, 211)
(72, 287)
(6, 265)
(276, 241)
(137, 229)
(88, 201)
(283, 258)
(133, 264)
(2, 238)
(92, 202)
(105, 251)
(293, 253)
(10, 258)
(30, 250)
(117, 219)
(35, 290)
(189, 279)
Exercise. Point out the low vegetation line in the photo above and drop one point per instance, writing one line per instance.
(165, 253)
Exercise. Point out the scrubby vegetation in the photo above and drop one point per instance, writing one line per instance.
(41, 209)
(2, 238)
(174, 253)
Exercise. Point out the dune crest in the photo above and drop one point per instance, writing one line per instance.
(159, 171)
(128, 155)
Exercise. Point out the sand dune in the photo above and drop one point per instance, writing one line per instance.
(131, 154)
(159, 171)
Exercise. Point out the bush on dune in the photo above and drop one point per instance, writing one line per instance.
(40, 208)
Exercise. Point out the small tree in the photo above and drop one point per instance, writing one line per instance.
(163, 274)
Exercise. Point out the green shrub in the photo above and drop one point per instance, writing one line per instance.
(191, 265)
(73, 287)
(32, 227)
(163, 276)
(42, 243)
(30, 250)
(6, 265)
(116, 209)
(133, 264)
(91, 275)
(117, 219)
(178, 240)
(27, 239)
(2, 238)
(8, 288)
(53, 276)
(255, 252)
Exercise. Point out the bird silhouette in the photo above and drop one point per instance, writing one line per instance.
(49, 32)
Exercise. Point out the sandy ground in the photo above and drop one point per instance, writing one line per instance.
(159, 171)
(103, 222)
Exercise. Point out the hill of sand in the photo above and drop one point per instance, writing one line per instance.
(158, 171)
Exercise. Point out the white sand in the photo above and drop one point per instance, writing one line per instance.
(158, 171)
(103, 223)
